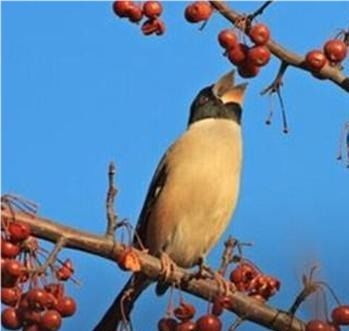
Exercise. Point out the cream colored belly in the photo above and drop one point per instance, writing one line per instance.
(200, 193)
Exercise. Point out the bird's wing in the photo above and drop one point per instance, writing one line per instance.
(153, 194)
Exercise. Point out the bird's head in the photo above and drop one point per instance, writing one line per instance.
(221, 100)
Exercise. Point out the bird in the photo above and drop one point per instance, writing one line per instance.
(193, 193)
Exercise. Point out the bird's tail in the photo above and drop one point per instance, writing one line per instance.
(122, 306)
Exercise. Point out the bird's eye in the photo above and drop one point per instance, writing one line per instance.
(203, 99)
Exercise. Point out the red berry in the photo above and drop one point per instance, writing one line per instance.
(65, 271)
(161, 27)
(340, 315)
(32, 327)
(247, 70)
(238, 54)
(56, 289)
(198, 11)
(219, 303)
(186, 326)
(51, 320)
(9, 249)
(13, 268)
(152, 9)
(335, 50)
(19, 231)
(37, 298)
(167, 324)
(259, 34)
(29, 316)
(217, 307)
(227, 39)
(333, 327)
(185, 311)
(134, 13)
(153, 26)
(263, 285)
(120, 7)
(10, 319)
(258, 55)
(10, 296)
(315, 60)
(208, 322)
(244, 273)
(66, 306)
(316, 325)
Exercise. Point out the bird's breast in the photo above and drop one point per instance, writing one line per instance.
(200, 193)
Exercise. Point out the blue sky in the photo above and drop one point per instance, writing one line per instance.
(81, 88)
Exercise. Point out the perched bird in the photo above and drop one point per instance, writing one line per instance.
(194, 190)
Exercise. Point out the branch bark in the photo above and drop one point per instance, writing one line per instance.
(328, 72)
(102, 246)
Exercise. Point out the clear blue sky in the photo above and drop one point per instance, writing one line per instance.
(81, 87)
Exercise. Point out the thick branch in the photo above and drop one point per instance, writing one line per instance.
(285, 55)
(207, 289)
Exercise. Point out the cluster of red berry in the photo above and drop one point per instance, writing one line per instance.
(135, 13)
(34, 303)
(248, 59)
(248, 278)
(183, 320)
(340, 316)
(334, 52)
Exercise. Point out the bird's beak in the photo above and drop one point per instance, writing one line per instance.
(226, 91)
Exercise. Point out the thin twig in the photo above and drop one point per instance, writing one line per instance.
(277, 82)
(228, 255)
(111, 194)
(51, 259)
(260, 10)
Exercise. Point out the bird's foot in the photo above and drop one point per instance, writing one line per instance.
(168, 267)
(206, 272)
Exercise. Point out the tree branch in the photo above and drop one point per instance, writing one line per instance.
(207, 289)
(327, 72)
(111, 194)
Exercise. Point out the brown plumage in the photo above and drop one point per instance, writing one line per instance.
(194, 190)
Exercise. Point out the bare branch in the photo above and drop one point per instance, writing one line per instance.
(241, 304)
